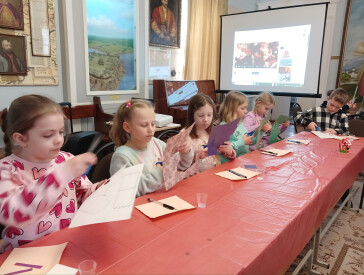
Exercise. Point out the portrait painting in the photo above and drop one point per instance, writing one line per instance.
(12, 55)
(11, 14)
(165, 23)
(351, 67)
(112, 46)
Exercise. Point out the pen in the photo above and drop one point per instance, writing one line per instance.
(237, 174)
(162, 204)
(294, 141)
(204, 146)
(95, 141)
(160, 163)
(317, 128)
(251, 133)
(269, 152)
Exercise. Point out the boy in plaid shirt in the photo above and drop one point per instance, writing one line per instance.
(330, 118)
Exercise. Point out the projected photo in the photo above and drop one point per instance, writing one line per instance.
(271, 57)
(256, 55)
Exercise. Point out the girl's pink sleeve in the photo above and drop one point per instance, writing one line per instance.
(250, 122)
(84, 188)
(23, 199)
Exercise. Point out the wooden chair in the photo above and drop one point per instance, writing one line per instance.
(179, 111)
(356, 128)
(94, 111)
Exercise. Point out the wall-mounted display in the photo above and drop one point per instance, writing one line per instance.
(11, 14)
(39, 27)
(12, 55)
(165, 23)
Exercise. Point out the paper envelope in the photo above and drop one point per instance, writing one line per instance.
(231, 176)
(154, 210)
(274, 152)
(41, 258)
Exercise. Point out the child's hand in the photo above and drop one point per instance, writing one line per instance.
(247, 140)
(98, 184)
(203, 154)
(312, 126)
(227, 150)
(351, 104)
(267, 127)
(80, 163)
(331, 132)
(286, 123)
(184, 148)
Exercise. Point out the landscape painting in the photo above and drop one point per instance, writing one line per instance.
(351, 66)
(111, 35)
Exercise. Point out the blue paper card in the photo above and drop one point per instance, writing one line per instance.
(250, 166)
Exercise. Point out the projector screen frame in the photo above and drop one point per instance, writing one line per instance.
(294, 94)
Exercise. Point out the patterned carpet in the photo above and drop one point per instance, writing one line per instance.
(343, 245)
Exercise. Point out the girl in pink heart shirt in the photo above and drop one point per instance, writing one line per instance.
(41, 187)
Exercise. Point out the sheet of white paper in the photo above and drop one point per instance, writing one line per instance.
(62, 269)
(113, 201)
(324, 135)
(298, 141)
(43, 256)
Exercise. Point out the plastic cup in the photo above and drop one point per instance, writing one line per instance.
(261, 174)
(87, 267)
(201, 200)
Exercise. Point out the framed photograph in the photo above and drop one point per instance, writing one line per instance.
(11, 14)
(12, 55)
(165, 23)
(39, 27)
(351, 66)
(112, 47)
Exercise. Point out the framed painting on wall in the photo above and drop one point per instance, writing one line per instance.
(12, 55)
(111, 53)
(11, 14)
(351, 66)
(165, 23)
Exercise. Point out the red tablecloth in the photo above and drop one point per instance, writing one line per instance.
(249, 226)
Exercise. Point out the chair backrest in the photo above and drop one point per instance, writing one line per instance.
(101, 153)
(102, 169)
(296, 108)
(356, 127)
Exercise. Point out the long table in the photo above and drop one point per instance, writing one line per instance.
(249, 226)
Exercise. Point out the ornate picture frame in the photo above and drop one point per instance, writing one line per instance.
(165, 23)
(351, 64)
(11, 14)
(12, 55)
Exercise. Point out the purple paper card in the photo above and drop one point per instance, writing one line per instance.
(220, 134)
(250, 166)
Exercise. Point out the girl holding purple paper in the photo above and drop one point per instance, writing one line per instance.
(202, 112)
(235, 106)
